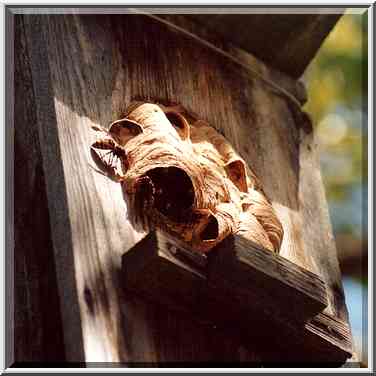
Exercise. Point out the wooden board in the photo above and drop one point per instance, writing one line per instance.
(38, 333)
(85, 70)
(314, 211)
(261, 292)
(236, 269)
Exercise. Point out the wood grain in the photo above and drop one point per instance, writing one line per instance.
(85, 71)
(237, 269)
(314, 211)
(280, 285)
(262, 292)
(38, 333)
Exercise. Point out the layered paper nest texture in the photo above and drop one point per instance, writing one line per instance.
(179, 175)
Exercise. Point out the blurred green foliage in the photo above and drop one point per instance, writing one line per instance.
(337, 86)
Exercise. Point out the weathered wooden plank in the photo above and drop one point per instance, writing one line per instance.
(174, 280)
(235, 267)
(315, 216)
(85, 71)
(260, 291)
(38, 335)
(211, 39)
(86, 276)
(329, 331)
(279, 284)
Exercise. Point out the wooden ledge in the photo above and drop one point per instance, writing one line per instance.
(240, 288)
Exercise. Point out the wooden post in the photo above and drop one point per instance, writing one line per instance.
(77, 71)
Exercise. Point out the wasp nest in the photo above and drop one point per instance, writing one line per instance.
(179, 175)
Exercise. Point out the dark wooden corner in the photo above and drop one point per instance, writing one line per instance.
(286, 42)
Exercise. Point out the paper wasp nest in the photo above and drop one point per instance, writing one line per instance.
(179, 175)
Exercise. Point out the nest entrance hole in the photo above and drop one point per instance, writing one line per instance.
(173, 192)
(211, 230)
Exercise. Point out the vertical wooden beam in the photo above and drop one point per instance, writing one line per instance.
(38, 333)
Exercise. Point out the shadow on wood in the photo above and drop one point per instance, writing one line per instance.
(39, 334)
(242, 289)
(291, 43)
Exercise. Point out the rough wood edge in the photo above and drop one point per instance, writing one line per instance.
(332, 329)
(277, 267)
(323, 333)
(46, 124)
